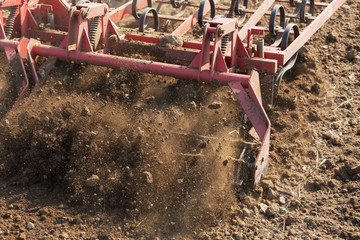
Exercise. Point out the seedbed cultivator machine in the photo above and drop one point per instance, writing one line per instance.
(232, 50)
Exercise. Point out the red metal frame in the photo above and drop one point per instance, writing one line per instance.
(75, 41)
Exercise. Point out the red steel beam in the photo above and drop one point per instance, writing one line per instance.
(255, 18)
(125, 10)
(135, 64)
(191, 21)
(311, 29)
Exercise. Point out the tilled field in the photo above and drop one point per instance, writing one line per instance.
(114, 154)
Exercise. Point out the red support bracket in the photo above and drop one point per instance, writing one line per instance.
(251, 103)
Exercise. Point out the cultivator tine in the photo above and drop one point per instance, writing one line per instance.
(229, 50)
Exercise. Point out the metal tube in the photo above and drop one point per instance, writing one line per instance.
(260, 47)
(50, 18)
(138, 65)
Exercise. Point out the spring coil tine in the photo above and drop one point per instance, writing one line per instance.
(143, 21)
(93, 29)
(9, 28)
(176, 4)
(238, 9)
(284, 45)
(272, 27)
(224, 42)
(201, 22)
(134, 8)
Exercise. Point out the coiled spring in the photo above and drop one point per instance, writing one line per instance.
(224, 42)
(10, 22)
(93, 29)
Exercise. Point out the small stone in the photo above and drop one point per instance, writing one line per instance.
(92, 133)
(30, 226)
(148, 178)
(237, 236)
(46, 119)
(341, 173)
(58, 84)
(270, 211)
(352, 169)
(325, 47)
(246, 212)
(315, 88)
(271, 194)
(356, 60)
(345, 7)
(350, 55)
(352, 77)
(141, 132)
(202, 145)
(234, 221)
(282, 200)
(150, 99)
(193, 105)
(331, 37)
(85, 112)
(92, 181)
(215, 105)
(263, 207)
(242, 224)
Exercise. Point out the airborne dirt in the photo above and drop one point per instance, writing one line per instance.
(114, 154)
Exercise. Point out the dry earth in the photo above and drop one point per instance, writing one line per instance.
(98, 153)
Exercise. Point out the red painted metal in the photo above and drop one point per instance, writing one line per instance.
(227, 53)
(311, 29)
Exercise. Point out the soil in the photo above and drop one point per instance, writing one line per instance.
(100, 153)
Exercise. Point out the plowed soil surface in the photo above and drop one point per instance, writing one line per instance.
(100, 153)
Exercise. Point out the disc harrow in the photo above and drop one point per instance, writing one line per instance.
(232, 50)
